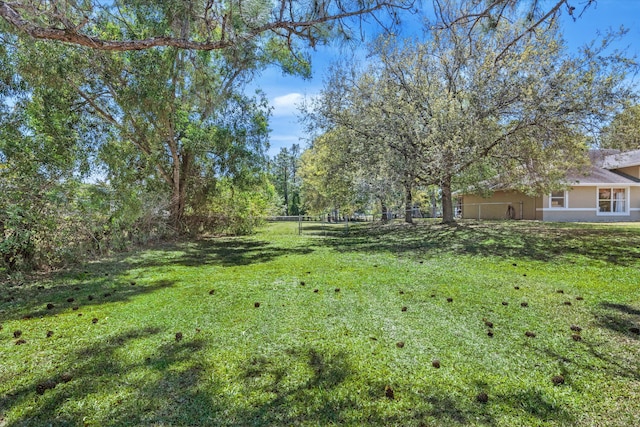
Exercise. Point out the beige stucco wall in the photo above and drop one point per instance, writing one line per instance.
(582, 197)
(582, 207)
(495, 207)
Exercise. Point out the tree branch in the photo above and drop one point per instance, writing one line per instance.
(530, 29)
(71, 34)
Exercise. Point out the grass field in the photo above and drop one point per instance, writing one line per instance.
(335, 329)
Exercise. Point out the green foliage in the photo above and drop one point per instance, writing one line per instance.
(285, 175)
(239, 210)
(171, 131)
(48, 218)
(115, 220)
(17, 246)
(37, 183)
(624, 131)
(161, 120)
(468, 105)
(328, 181)
(292, 62)
(36, 226)
(47, 223)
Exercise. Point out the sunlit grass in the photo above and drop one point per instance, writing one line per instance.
(335, 328)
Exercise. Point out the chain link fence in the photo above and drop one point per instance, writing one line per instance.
(490, 210)
(321, 225)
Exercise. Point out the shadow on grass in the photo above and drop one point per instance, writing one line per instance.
(529, 240)
(169, 395)
(334, 393)
(613, 355)
(537, 403)
(29, 302)
(622, 309)
(291, 403)
(176, 385)
(226, 252)
(326, 230)
(81, 375)
(620, 318)
(102, 282)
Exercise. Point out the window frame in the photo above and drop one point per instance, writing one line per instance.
(611, 200)
(565, 200)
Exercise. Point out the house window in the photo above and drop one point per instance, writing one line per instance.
(612, 200)
(558, 200)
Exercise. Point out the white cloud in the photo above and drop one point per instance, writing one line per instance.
(287, 105)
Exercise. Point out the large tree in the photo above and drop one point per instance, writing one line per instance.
(175, 112)
(353, 111)
(327, 178)
(460, 107)
(284, 171)
(624, 131)
(173, 116)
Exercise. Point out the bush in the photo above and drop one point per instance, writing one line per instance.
(72, 221)
(234, 210)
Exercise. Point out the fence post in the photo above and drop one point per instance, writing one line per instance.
(521, 209)
(299, 225)
(325, 225)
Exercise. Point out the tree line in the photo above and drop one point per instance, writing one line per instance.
(127, 121)
(472, 105)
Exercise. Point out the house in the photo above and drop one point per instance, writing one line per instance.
(608, 192)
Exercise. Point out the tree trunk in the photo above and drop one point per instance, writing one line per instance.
(286, 190)
(447, 201)
(434, 204)
(408, 203)
(176, 210)
(180, 174)
(385, 211)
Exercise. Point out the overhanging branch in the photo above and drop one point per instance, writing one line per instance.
(228, 38)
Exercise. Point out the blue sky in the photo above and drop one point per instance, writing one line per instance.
(286, 92)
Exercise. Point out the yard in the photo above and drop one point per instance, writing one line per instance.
(482, 323)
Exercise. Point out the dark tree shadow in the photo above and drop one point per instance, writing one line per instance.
(182, 389)
(618, 362)
(622, 309)
(326, 230)
(173, 397)
(85, 368)
(529, 240)
(103, 281)
(226, 252)
(269, 374)
(30, 303)
(236, 252)
(620, 318)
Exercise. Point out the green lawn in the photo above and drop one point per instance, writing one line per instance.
(346, 332)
